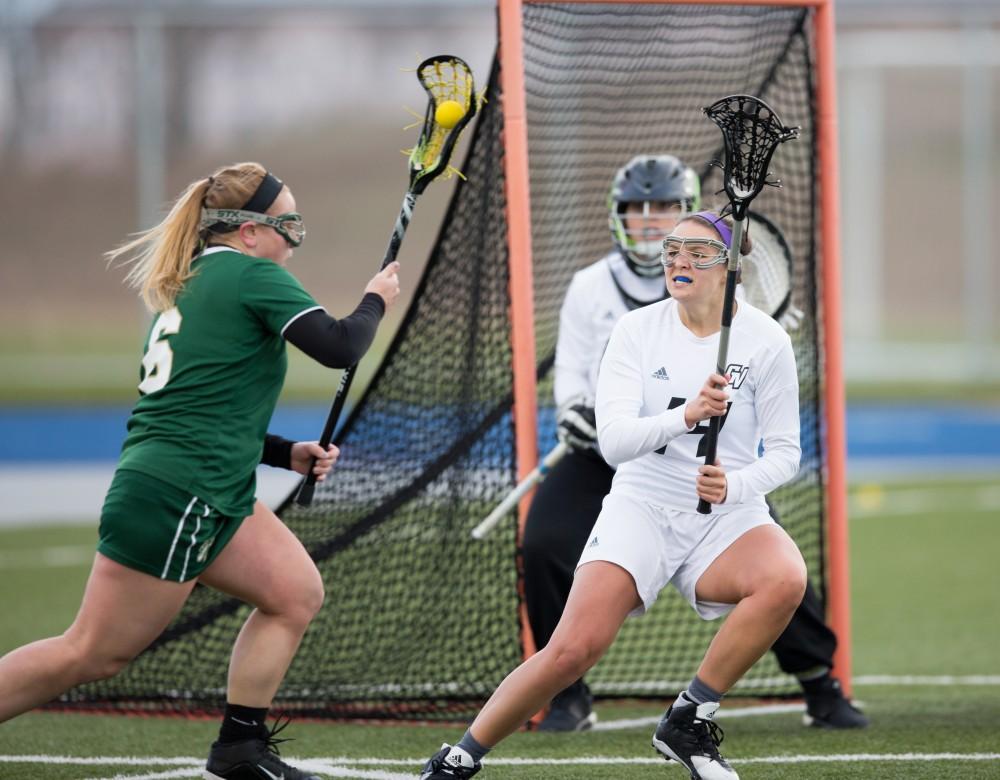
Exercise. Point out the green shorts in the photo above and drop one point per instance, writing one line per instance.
(152, 526)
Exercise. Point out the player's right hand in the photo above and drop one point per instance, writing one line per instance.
(386, 284)
(712, 400)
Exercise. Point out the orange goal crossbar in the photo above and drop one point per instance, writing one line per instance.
(792, 3)
(511, 53)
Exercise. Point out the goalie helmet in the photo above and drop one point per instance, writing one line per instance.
(650, 180)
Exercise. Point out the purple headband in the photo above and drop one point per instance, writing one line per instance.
(715, 221)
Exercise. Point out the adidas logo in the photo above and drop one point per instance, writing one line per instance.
(458, 758)
(593, 542)
(661, 373)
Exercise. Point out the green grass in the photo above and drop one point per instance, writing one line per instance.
(925, 587)
(74, 372)
(98, 367)
(904, 721)
(925, 598)
(41, 600)
(930, 391)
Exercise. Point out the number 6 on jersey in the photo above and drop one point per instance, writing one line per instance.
(159, 358)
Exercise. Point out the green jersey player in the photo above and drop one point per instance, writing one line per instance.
(181, 508)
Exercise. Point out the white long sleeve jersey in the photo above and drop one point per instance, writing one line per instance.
(591, 308)
(653, 365)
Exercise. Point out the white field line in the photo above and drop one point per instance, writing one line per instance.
(191, 771)
(941, 679)
(342, 764)
(345, 770)
(642, 687)
(47, 557)
(312, 765)
(875, 501)
(105, 760)
(614, 760)
(736, 712)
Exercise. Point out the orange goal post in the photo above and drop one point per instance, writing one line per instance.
(537, 51)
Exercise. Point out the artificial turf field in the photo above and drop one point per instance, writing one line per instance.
(926, 608)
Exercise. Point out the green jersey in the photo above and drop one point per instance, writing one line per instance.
(211, 374)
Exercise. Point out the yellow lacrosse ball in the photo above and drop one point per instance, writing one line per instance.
(449, 113)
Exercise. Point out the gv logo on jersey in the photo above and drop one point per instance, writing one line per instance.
(738, 373)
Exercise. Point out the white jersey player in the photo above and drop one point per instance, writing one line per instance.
(735, 560)
(567, 504)
(647, 197)
(654, 364)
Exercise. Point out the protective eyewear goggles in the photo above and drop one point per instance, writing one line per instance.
(289, 226)
(702, 253)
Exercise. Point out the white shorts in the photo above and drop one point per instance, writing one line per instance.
(658, 546)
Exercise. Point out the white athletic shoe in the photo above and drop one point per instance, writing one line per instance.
(450, 763)
(688, 734)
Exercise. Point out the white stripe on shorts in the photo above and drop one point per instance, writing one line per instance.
(180, 526)
(194, 538)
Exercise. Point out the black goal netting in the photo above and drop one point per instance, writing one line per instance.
(420, 620)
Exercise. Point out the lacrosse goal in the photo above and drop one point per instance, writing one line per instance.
(421, 621)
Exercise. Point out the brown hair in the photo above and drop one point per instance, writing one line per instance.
(161, 256)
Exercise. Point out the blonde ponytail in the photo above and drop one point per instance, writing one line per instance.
(161, 256)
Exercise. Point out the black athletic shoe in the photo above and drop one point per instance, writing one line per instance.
(448, 763)
(571, 710)
(687, 734)
(254, 759)
(828, 708)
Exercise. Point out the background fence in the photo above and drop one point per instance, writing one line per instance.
(108, 108)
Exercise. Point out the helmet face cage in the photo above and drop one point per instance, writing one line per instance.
(289, 226)
(702, 253)
(667, 190)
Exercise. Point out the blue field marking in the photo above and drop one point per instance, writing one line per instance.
(882, 431)
(67, 434)
(874, 431)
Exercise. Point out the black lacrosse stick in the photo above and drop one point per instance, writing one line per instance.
(445, 79)
(751, 131)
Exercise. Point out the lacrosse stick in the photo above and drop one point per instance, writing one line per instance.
(767, 285)
(450, 107)
(511, 499)
(751, 131)
(766, 273)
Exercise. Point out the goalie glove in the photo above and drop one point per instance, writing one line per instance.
(791, 320)
(577, 425)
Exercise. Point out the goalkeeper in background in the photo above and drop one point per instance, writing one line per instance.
(181, 508)
(648, 196)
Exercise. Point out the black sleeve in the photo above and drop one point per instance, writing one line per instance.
(277, 452)
(338, 343)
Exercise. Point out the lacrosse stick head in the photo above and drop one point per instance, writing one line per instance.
(751, 131)
(767, 270)
(447, 80)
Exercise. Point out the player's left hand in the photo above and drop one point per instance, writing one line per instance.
(576, 425)
(791, 320)
(711, 483)
(304, 451)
